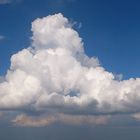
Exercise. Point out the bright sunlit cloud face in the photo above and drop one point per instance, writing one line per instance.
(55, 78)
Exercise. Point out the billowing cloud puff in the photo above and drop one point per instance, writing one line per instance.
(55, 75)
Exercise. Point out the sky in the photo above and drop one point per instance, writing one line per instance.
(69, 69)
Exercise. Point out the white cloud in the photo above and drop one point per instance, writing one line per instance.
(56, 76)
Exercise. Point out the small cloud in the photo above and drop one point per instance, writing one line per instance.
(2, 37)
(5, 1)
(75, 24)
(136, 116)
(79, 25)
(28, 121)
(61, 3)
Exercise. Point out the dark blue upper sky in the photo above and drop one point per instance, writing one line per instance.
(110, 29)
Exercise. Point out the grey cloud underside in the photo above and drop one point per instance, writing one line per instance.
(55, 75)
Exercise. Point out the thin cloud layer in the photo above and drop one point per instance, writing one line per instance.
(32, 121)
(5, 1)
(2, 37)
(55, 76)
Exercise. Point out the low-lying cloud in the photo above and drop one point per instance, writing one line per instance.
(33, 121)
(55, 76)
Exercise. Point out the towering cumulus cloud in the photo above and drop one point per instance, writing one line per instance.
(55, 76)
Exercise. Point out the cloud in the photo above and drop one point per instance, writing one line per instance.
(33, 121)
(5, 1)
(28, 121)
(2, 37)
(57, 4)
(136, 116)
(55, 76)
(1, 79)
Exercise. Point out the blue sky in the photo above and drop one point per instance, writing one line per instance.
(110, 29)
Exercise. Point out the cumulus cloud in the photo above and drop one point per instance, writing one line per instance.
(55, 76)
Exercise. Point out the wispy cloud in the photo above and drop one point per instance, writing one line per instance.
(60, 3)
(33, 121)
(2, 37)
(5, 1)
